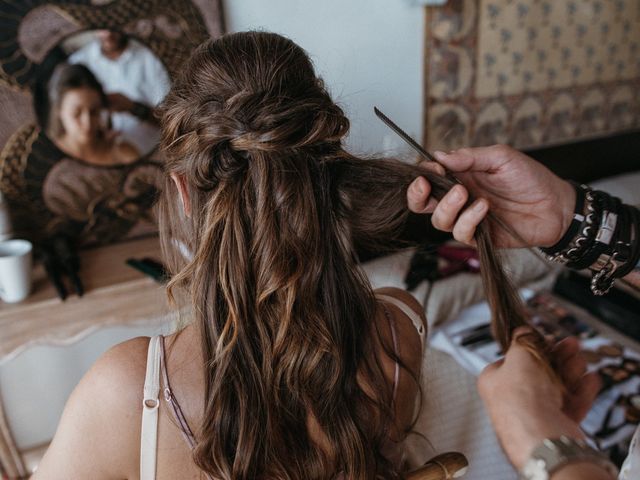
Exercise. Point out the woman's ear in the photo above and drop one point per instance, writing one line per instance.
(183, 191)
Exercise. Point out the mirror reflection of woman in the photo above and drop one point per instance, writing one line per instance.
(77, 123)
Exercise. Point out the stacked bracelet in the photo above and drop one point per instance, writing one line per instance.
(603, 236)
(576, 222)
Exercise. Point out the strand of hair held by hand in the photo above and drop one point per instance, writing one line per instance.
(506, 306)
(507, 309)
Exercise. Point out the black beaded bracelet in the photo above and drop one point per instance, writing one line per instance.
(585, 238)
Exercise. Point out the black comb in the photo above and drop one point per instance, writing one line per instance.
(415, 145)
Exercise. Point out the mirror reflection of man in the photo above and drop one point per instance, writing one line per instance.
(135, 82)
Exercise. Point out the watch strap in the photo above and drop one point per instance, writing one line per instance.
(553, 454)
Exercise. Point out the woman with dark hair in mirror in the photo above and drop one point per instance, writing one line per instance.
(78, 119)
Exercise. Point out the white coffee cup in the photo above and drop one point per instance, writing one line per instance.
(15, 270)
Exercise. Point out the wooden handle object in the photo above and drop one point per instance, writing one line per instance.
(446, 466)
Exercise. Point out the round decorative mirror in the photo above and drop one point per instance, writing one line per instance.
(81, 82)
(95, 100)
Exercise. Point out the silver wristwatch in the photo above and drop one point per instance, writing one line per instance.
(552, 454)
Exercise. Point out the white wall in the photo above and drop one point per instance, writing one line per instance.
(369, 52)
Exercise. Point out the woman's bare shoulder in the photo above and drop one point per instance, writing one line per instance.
(124, 363)
(118, 378)
(106, 404)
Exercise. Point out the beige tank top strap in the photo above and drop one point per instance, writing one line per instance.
(150, 404)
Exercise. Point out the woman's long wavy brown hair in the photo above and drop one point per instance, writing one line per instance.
(284, 311)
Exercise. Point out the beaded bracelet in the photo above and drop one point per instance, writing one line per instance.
(576, 221)
(582, 226)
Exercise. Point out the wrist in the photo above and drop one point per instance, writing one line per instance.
(567, 204)
(568, 193)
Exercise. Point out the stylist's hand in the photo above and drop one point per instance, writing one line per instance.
(119, 102)
(526, 406)
(522, 192)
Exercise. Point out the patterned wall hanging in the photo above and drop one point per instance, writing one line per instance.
(530, 73)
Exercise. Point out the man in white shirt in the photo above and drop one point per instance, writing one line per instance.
(134, 80)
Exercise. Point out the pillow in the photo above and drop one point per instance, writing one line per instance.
(448, 296)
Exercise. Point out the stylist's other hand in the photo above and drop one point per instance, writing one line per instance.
(537, 204)
(526, 406)
(119, 102)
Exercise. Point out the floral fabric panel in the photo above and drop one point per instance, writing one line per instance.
(531, 73)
